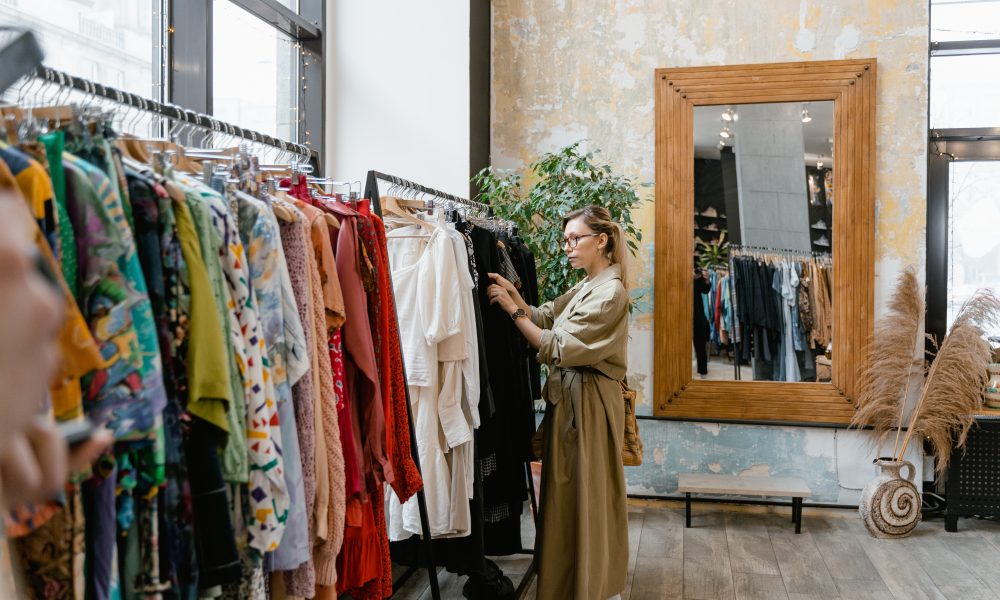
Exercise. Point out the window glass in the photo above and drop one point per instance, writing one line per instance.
(292, 4)
(955, 20)
(108, 41)
(964, 92)
(255, 84)
(973, 232)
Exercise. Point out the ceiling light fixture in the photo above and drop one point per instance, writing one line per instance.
(729, 115)
(819, 164)
(725, 133)
(805, 116)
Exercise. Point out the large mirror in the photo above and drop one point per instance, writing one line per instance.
(764, 247)
(763, 230)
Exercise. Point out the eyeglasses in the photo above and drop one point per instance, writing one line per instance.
(573, 240)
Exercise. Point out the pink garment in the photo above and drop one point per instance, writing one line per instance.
(301, 582)
(363, 380)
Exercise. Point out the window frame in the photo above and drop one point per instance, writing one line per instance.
(189, 69)
(945, 146)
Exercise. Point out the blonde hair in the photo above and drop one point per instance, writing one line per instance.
(598, 219)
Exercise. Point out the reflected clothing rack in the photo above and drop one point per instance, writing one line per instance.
(372, 193)
(747, 250)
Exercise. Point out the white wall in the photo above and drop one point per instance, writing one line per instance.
(398, 91)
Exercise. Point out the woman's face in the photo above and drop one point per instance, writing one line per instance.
(589, 246)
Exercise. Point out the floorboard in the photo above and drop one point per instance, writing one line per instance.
(752, 553)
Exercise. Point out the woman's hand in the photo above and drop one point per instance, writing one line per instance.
(31, 314)
(36, 462)
(501, 297)
(512, 293)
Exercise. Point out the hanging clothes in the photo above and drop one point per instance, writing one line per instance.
(782, 306)
(245, 351)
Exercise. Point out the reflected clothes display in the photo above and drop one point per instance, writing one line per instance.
(784, 314)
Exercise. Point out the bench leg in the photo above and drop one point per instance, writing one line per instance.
(797, 510)
(687, 510)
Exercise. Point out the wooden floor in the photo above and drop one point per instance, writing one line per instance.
(739, 552)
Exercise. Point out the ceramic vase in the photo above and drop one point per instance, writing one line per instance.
(993, 387)
(890, 503)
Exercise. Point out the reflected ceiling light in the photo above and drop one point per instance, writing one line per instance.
(729, 115)
(725, 133)
(819, 164)
(805, 116)
(722, 144)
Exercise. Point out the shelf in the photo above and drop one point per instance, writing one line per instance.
(986, 411)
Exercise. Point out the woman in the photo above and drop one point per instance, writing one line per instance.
(581, 336)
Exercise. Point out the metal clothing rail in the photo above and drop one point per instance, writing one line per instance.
(739, 248)
(169, 111)
(374, 177)
(428, 542)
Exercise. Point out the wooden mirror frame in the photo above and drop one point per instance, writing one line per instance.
(850, 84)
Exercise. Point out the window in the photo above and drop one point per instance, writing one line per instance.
(959, 20)
(257, 64)
(963, 178)
(254, 84)
(964, 91)
(98, 40)
(973, 235)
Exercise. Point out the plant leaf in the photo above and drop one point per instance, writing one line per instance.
(891, 353)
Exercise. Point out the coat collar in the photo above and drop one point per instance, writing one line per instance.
(585, 287)
(612, 272)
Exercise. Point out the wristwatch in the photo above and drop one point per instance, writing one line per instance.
(517, 314)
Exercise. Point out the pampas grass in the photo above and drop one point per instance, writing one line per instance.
(953, 391)
(886, 377)
(950, 391)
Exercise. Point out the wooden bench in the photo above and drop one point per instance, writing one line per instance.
(697, 483)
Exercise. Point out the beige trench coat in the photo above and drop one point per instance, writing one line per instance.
(583, 531)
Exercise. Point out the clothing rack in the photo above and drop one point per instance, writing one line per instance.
(371, 187)
(168, 111)
(372, 193)
(745, 250)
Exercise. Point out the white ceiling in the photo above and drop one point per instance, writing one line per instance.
(708, 123)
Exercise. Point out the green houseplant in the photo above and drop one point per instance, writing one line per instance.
(713, 254)
(562, 181)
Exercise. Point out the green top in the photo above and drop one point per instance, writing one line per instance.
(209, 392)
(54, 143)
(235, 464)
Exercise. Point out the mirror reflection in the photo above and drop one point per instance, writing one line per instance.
(763, 231)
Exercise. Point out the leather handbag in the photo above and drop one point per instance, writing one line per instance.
(632, 444)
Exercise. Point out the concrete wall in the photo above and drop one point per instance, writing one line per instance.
(398, 91)
(771, 176)
(571, 69)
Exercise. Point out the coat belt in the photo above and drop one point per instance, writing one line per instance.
(567, 381)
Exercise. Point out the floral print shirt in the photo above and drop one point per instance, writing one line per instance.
(129, 393)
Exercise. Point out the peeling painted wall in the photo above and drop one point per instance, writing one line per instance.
(566, 70)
